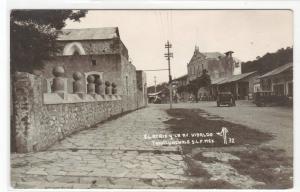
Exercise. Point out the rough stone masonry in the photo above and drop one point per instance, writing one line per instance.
(41, 119)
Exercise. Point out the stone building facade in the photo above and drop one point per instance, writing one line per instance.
(95, 51)
(216, 64)
(142, 96)
(88, 81)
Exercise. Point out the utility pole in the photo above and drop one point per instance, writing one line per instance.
(168, 56)
(154, 84)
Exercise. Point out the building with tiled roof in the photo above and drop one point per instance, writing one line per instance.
(218, 65)
(98, 52)
(279, 80)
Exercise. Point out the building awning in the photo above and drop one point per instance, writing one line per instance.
(278, 70)
(216, 81)
(235, 78)
(180, 78)
(154, 94)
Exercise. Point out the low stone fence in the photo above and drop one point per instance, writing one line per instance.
(41, 118)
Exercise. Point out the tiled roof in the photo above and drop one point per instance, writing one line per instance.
(218, 80)
(234, 78)
(213, 55)
(278, 70)
(88, 34)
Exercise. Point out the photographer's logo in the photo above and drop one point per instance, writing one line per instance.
(223, 133)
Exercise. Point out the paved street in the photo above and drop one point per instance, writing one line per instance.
(114, 154)
(111, 155)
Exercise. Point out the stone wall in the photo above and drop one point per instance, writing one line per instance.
(41, 119)
(142, 98)
(128, 88)
(43, 115)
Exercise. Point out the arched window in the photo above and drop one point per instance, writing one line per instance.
(74, 48)
(237, 64)
(76, 53)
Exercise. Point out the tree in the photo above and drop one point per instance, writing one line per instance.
(159, 87)
(269, 61)
(33, 34)
(202, 81)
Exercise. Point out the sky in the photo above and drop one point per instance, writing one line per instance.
(249, 33)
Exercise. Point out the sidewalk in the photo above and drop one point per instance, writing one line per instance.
(110, 155)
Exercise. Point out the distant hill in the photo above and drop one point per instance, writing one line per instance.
(269, 61)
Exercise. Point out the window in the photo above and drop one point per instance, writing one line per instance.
(269, 82)
(127, 85)
(279, 89)
(76, 53)
(73, 48)
(94, 62)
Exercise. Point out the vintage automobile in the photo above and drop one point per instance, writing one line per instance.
(225, 98)
(269, 98)
(157, 100)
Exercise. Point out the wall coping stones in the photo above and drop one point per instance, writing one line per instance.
(42, 118)
(59, 98)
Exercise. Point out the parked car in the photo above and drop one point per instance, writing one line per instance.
(225, 98)
(269, 98)
(157, 100)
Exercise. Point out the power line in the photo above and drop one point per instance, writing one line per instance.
(162, 25)
(155, 69)
(159, 24)
(171, 13)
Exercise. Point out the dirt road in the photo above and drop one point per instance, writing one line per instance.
(277, 121)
